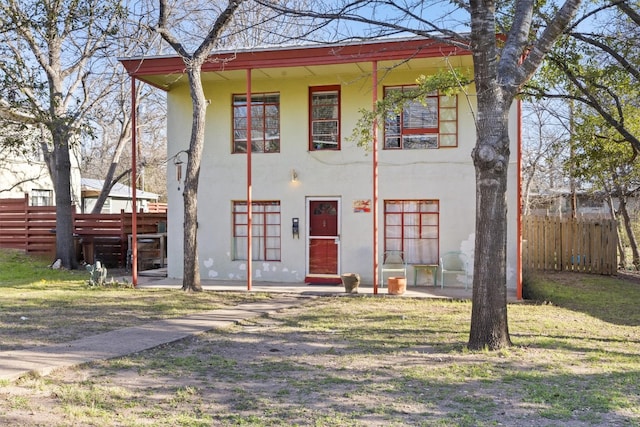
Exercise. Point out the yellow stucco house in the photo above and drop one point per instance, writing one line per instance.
(323, 206)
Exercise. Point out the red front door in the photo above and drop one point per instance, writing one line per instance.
(323, 237)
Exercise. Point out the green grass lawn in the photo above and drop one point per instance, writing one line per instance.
(357, 361)
(44, 306)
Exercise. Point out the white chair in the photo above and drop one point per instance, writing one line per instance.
(454, 263)
(393, 262)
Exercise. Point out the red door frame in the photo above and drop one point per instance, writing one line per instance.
(334, 238)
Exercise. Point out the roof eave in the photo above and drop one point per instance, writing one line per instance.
(297, 56)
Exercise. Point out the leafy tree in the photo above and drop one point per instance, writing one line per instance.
(598, 65)
(597, 70)
(502, 65)
(608, 162)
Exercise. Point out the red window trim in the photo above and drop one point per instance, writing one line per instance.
(386, 202)
(264, 224)
(422, 131)
(325, 88)
(264, 124)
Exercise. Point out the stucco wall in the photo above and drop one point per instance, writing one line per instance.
(445, 174)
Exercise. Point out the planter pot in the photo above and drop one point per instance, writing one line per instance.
(351, 281)
(397, 285)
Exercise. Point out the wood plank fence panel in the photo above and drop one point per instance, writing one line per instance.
(101, 236)
(580, 245)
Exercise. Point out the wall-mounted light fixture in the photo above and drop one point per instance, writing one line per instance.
(294, 175)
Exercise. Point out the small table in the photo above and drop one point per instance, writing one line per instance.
(433, 268)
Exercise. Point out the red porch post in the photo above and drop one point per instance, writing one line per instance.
(134, 207)
(519, 205)
(249, 201)
(374, 91)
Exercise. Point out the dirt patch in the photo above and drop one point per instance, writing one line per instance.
(355, 362)
(348, 361)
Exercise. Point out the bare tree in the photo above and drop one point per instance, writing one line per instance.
(105, 158)
(544, 150)
(193, 63)
(56, 47)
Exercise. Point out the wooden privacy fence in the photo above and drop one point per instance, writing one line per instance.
(103, 236)
(157, 207)
(562, 244)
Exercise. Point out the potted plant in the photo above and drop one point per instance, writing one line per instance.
(351, 281)
(397, 285)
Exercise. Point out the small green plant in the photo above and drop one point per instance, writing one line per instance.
(97, 274)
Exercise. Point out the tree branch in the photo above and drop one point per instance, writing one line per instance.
(626, 65)
(547, 39)
(348, 12)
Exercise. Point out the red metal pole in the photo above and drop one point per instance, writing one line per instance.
(519, 206)
(374, 91)
(134, 207)
(249, 201)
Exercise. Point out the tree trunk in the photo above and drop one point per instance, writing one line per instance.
(489, 328)
(622, 261)
(626, 219)
(109, 182)
(191, 275)
(65, 247)
(495, 94)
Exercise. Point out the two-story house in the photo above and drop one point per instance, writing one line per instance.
(314, 191)
(27, 173)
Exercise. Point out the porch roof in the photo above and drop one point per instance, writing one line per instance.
(165, 72)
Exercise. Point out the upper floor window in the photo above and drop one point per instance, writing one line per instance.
(324, 127)
(430, 122)
(265, 123)
(41, 197)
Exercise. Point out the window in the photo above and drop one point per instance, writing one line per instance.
(429, 123)
(265, 231)
(265, 123)
(412, 226)
(325, 118)
(41, 197)
(106, 207)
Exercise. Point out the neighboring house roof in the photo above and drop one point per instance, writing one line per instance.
(92, 187)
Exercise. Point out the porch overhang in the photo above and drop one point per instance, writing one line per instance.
(166, 72)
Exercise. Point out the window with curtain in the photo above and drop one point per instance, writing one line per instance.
(431, 122)
(412, 226)
(265, 230)
(265, 123)
(325, 118)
